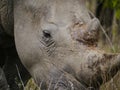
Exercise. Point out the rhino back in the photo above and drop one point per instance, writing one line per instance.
(6, 16)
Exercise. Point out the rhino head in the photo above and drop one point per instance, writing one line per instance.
(57, 43)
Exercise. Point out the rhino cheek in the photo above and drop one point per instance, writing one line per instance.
(28, 48)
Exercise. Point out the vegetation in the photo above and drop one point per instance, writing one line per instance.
(31, 85)
(108, 12)
(114, 4)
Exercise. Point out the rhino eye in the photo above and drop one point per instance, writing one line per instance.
(47, 38)
(47, 34)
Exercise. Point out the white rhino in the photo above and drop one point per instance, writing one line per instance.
(56, 41)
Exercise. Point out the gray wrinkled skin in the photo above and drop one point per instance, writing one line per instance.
(6, 16)
(56, 41)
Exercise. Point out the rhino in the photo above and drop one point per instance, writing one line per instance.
(9, 60)
(56, 41)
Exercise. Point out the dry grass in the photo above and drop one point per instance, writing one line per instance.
(31, 85)
(113, 84)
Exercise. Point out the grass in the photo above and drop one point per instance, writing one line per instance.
(31, 85)
(113, 84)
